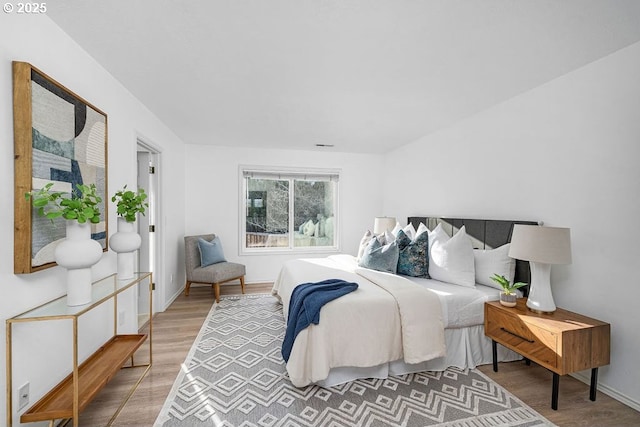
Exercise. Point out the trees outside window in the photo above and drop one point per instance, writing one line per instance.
(286, 210)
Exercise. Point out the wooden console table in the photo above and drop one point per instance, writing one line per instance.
(562, 341)
(67, 399)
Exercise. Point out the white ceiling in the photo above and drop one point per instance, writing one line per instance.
(365, 75)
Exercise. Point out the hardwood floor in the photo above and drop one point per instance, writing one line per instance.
(175, 330)
(173, 334)
(532, 385)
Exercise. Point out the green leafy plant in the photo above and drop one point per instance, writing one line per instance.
(129, 203)
(507, 287)
(82, 206)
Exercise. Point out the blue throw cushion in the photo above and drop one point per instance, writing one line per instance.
(379, 257)
(413, 257)
(210, 252)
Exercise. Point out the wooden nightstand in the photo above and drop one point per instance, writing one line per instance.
(563, 342)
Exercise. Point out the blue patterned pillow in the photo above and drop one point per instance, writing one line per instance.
(379, 257)
(210, 252)
(413, 257)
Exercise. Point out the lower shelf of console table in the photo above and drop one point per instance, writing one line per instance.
(93, 374)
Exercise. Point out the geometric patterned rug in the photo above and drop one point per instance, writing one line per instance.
(234, 376)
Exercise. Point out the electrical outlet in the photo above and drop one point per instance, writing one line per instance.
(121, 317)
(171, 278)
(23, 396)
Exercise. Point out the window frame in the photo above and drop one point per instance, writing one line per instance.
(287, 173)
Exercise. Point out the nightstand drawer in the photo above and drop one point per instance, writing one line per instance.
(537, 344)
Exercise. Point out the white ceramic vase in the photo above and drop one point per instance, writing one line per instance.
(125, 242)
(77, 253)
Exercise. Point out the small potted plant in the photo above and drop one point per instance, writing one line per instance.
(129, 203)
(82, 206)
(127, 240)
(508, 294)
(77, 252)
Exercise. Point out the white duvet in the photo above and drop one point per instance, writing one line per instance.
(387, 318)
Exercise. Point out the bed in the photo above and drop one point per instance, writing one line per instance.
(394, 324)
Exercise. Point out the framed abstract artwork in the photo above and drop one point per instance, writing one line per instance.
(61, 138)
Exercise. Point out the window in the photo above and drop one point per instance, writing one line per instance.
(288, 210)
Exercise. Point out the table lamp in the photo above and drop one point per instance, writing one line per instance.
(382, 224)
(541, 246)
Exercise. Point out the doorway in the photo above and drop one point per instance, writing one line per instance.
(149, 254)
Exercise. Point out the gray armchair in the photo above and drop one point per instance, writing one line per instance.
(214, 274)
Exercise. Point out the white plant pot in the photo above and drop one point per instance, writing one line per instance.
(125, 242)
(77, 253)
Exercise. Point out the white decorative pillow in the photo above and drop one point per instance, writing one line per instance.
(494, 261)
(388, 238)
(437, 233)
(409, 231)
(397, 228)
(421, 229)
(363, 243)
(451, 260)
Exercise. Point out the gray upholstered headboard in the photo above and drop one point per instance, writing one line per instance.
(484, 233)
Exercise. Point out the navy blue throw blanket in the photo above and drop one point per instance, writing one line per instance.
(304, 307)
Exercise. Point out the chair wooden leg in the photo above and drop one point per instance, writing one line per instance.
(186, 288)
(216, 291)
(242, 283)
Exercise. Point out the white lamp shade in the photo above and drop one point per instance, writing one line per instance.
(547, 245)
(383, 223)
(541, 246)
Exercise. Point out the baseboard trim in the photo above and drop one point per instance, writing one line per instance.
(614, 394)
(173, 298)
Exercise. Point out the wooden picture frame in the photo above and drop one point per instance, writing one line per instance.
(61, 138)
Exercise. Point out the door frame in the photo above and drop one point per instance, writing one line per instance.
(158, 265)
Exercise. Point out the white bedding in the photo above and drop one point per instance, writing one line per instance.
(461, 306)
(422, 328)
(333, 358)
(374, 325)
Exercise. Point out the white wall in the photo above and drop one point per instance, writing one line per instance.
(37, 40)
(212, 197)
(566, 153)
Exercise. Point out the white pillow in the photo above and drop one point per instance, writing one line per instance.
(494, 261)
(421, 229)
(397, 228)
(435, 234)
(388, 238)
(363, 243)
(451, 259)
(409, 231)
